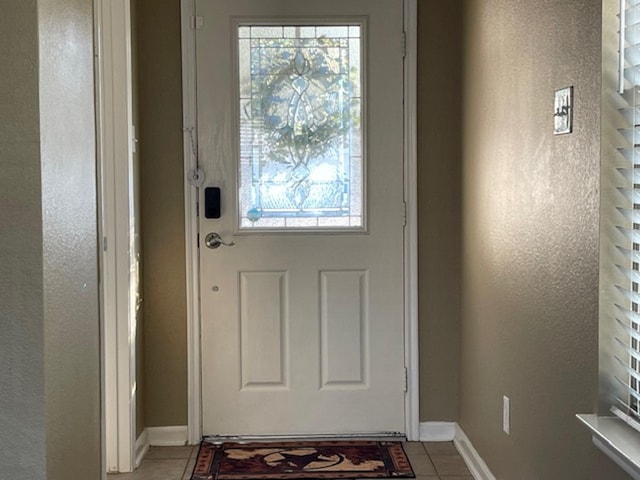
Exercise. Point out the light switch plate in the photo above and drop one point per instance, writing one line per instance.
(563, 111)
(506, 415)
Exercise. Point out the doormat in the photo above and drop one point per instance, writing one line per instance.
(302, 460)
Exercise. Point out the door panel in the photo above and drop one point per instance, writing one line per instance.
(344, 300)
(302, 328)
(264, 326)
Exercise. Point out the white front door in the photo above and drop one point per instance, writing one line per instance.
(300, 127)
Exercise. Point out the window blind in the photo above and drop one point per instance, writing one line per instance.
(626, 303)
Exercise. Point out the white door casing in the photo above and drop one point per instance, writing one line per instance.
(119, 252)
(312, 371)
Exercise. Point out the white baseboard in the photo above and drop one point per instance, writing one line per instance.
(142, 447)
(437, 431)
(472, 458)
(167, 436)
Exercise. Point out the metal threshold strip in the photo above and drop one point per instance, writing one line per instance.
(375, 436)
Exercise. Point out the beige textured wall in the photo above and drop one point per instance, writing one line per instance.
(72, 333)
(530, 237)
(22, 399)
(160, 143)
(439, 149)
(49, 346)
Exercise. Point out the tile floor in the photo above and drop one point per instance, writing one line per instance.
(430, 461)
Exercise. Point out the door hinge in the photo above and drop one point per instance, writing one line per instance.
(406, 379)
(197, 22)
(404, 44)
(404, 214)
(197, 209)
(198, 240)
(104, 244)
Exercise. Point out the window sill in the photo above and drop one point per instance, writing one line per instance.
(617, 440)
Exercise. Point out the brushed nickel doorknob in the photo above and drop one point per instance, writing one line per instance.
(214, 240)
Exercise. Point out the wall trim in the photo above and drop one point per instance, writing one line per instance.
(437, 431)
(191, 193)
(114, 119)
(175, 436)
(472, 458)
(412, 346)
(142, 446)
(107, 445)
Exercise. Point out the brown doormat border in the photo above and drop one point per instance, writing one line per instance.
(302, 461)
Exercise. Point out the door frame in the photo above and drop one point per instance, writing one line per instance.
(118, 286)
(193, 179)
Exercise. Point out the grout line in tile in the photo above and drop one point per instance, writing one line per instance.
(186, 467)
(185, 473)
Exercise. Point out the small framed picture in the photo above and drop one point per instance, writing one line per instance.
(563, 111)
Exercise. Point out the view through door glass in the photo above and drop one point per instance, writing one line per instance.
(301, 162)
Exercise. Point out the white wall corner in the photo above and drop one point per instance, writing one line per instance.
(437, 431)
(142, 447)
(167, 436)
(472, 458)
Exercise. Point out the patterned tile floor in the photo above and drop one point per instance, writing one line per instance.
(430, 461)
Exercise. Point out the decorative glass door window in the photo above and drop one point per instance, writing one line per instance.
(301, 127)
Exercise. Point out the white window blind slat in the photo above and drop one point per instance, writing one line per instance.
(629, 233)
(630, 134)
(629, 155)
(634, 255)
(627, 174)
(629, 113)
(632, 13)
(633, 373)
(631, 192)
(627, 315)
(632, 55)
(633, 355)
(633, 393)
(632, 296)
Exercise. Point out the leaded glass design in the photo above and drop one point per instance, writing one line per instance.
(301, 163)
